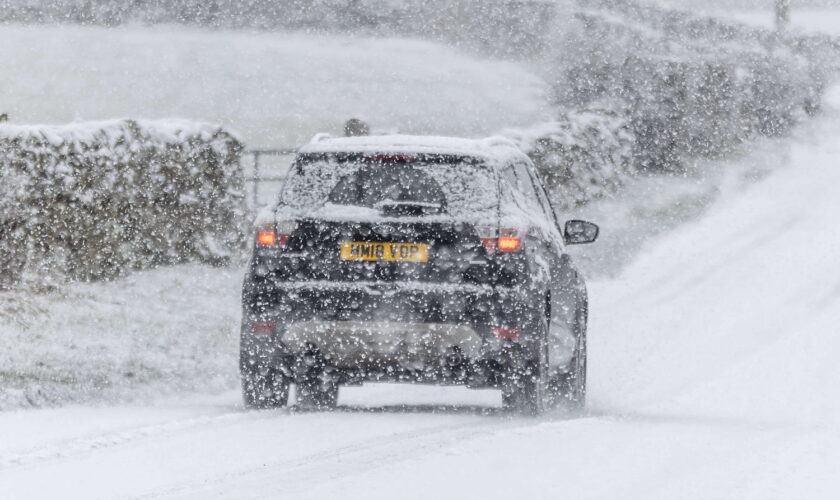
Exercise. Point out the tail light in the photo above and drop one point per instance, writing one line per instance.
(509, 240)
(275, 235)
(488, 236)
(505, 333)
(505, 240)
(263, 327)
(389, 158)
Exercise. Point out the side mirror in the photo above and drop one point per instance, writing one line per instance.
(580, 231)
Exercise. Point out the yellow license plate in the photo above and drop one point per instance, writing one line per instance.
(398, 252)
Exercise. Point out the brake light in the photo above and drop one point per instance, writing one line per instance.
(487, 233)
(389, 158)
(266, 238)
(509, 244)
(275, 235)
(505, 240)
(509, 240)
(505, 333)
(263, 327)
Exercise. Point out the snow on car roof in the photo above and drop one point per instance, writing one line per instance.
(490, 148)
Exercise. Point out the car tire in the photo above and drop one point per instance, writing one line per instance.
(265, 390)
(569, 389)
(525, 384)
(520, 396)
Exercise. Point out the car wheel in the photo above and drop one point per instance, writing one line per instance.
(524, 385)
(569, 389)
(265, 390)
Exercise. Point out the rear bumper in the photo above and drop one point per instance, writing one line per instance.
(416, 331)
(375, 344)
(402, 302)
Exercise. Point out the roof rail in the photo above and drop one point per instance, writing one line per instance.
(323, 136)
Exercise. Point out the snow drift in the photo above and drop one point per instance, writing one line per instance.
(93, 201)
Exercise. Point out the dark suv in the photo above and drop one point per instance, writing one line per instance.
(414, 259)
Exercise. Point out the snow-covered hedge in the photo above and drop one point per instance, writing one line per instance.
(581, 156)
(690, 85)
(96, 200)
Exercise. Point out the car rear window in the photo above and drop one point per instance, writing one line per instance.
(459, 187)
(406, 190)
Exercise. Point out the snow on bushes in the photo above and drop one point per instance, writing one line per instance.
(93, 201)
(691, 85)
(659, 86)
(583, 155)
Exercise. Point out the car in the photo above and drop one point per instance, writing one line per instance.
(414, 259)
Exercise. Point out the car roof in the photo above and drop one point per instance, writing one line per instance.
(492, 148)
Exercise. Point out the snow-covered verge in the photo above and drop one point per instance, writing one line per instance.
(734, 315)
(96, 200)
(165, 331)
(712, 375)
(650, 205)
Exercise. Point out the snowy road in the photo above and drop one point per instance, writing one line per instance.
(714, 374)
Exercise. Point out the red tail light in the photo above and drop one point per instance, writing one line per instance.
(266, 238)
(509, 240)
(488, 235)
(263, 327)
(489, 244)
(388, 158)
(505, 333)
(275, 235)
(504, 240)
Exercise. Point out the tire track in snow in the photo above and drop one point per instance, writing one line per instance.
(75, 447)
(303, 471)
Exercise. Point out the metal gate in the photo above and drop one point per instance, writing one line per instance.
(264, 175)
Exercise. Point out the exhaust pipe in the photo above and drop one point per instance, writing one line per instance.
(456, 364)
(309, 361)
(455, 357)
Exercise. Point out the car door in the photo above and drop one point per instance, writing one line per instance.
(564, 282)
